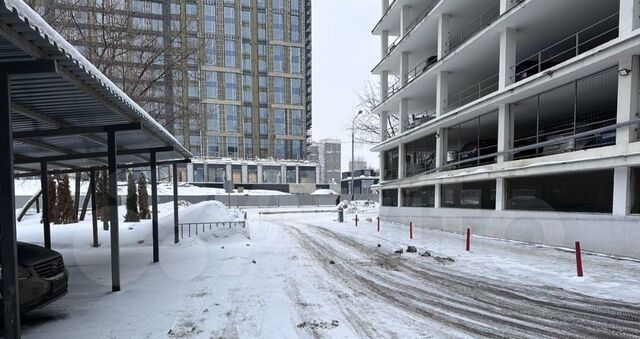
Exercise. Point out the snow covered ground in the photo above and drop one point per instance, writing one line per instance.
(306, 275)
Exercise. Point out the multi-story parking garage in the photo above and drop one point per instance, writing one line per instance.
(518, 118)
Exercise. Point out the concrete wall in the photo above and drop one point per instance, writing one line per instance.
(607, 234)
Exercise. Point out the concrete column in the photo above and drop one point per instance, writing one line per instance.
(628, 98)
(442, 92)
(403, 114)
(245, 173)
(190, 172)
(297, 174)
(205, 175)
(385, 6)
(629, 16)
(441, 148)
(228, 173)
(501, 194)
(505, 131)
(404, 69)
(438, 196)
(259, 166)
(443, 35)
(506, 5)
(507, 70)
(621, 197)
(400, 202)
(381, 161)
(384, 44)
(283, 173)
(318, 175)
(401, 162)
(405, 20)
(384, 85)
(384, 115)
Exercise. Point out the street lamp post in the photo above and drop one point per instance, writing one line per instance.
(353, 132)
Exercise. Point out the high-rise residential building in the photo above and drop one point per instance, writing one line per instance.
(518, 119)
(327, 153)
(230, 78)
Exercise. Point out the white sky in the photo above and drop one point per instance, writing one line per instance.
(344, 52)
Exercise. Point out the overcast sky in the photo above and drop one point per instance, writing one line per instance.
(344, 52)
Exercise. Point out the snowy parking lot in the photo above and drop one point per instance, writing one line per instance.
(306, 275)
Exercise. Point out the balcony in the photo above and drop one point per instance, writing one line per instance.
(489, 16)
(471, 93)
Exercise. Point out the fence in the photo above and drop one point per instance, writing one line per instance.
(211, 225)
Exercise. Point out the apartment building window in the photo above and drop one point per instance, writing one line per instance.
(390, 198)
(246, 24)
(295, 28)
(247, 93)
(420, 155)
(248, 148)
(296, 122)
(474, 195)
(262, 58)
(419, 196)
(209, 18)
(279, 121)
(556, 115)
(280, 149)
(210, 52)
(246, 56)
(264, 147)
(194, 144)
(247, 120)
(213, 147)
(229, 21)
(278, 90)
(232, 147)
(229, 53)
(296, 149)
(277, 27)
(294, 5)
(294, 63)
(296, 92)
(390, 165)
(192, 9)
(277, 58)
(264, 130)
(575, 192)
(245, 3)
(261, 3)
(262, 90)
(262, 26)
(211, 83)
(175, 8)
(230, 86)
(213, 117)
(231, 116)
(277, 4)
(471, 143)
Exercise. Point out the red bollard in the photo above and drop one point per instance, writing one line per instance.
(578, 259)
(378, 224)
(468, 239)
(410, 230)
(356, 220)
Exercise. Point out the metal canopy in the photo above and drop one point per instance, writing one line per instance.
(55, 90)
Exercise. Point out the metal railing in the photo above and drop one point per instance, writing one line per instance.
(489, 16)
(569, 47)
(203, 226)
(413, 74)
(471, 93)
(422, 117)
(412, 25)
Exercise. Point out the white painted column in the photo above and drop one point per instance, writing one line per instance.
(442, 92)
(403, 114)
(400, 197)
(297, 174)
(441, 148)
(259, 166)
(505, 132)
(404, 69)
(318, 174)
(621, 198)
(507, 70)
(401, 161)
(628, 87)
(384, 44)
(283, 173)
(501, 194)
(437, 202)
(245, 173)
(384, 115)
(443, 35)
(385, 6)
(384, 85)
(629, 16)
(228, 173)
(506, 5)
(405, 20)
(189, 172)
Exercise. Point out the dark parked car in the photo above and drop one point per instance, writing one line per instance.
(42, 276)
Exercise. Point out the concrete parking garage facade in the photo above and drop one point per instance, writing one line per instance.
(518, 119)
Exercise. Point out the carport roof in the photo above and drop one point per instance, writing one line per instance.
(62, 106)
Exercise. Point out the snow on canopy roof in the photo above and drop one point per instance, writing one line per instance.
(61, 50)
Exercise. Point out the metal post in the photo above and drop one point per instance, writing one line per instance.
(154, 206)
(46, 223)
(113, 211)
(94, 209)
(175, 203)
(8, 247)
(76, 203)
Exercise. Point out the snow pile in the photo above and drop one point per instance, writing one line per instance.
(324, 192)
(359, 206)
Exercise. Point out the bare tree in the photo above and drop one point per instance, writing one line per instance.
(140, 54)
(367, 124)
